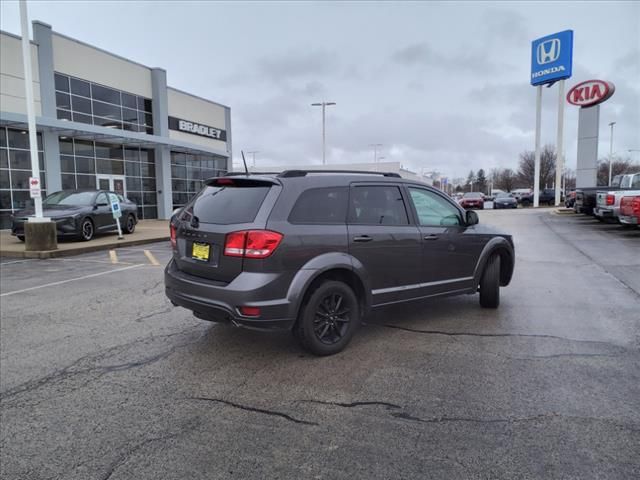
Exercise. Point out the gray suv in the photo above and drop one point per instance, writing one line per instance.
(314, 252)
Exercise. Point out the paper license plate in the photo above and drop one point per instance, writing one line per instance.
(200, 251)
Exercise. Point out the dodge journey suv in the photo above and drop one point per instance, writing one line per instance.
(314, 252)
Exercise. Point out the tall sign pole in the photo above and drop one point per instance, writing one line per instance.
(536, 169)
(560, 143)
(551, 62)
(34, 181)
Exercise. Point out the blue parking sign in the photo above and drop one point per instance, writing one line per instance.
(551, 58)
(115, 205)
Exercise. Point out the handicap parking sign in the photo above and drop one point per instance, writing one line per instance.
(115, 205)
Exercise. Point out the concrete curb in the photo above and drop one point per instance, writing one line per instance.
(88, 248)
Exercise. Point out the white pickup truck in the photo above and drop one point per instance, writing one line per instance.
(608, 202)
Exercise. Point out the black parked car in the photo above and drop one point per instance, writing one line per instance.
(546, 195)
(504, 200)
(80, 213)
(315, 251)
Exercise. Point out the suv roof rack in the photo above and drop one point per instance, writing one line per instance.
(303, 173)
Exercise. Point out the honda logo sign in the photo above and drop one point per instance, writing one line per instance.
(591, 92)
(551, 58)
(548, 51)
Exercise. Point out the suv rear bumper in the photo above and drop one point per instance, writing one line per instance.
(218, 302)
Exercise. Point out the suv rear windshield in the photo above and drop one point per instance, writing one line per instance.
(229, 204)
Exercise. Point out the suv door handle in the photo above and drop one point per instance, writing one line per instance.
(431, 237)
(362, 238)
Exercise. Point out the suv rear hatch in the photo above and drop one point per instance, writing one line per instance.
(225, 205)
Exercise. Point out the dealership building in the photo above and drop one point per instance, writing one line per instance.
(104, 122)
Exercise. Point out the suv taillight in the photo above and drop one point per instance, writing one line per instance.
(611, 199)
(172, 233)
(252, 243)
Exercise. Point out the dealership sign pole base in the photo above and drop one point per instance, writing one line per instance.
(40, 235)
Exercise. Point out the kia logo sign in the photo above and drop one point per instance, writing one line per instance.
(591, 92)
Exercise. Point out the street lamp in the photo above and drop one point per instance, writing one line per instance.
(611, 151)
(253, 157)
(323, 105)
(375, 151)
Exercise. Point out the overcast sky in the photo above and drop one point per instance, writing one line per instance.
(443, 86)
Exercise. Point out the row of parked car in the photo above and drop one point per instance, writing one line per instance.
(617, 203)
(502, 199)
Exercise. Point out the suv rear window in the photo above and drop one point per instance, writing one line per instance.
(321, 206)
(229, 204)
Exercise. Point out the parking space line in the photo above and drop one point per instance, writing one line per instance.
(113, 256)
(151, 258)
(12, 262)
(61, 282)
(72, 260)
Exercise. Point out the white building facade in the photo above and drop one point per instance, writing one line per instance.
(104, 122)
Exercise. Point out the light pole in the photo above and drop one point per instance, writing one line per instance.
(611, 151)
(323, 105)
(253, 157)
(375, 151)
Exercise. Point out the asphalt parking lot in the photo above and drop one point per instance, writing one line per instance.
(101, 378)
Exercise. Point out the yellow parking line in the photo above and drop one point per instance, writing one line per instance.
(151, 258)
(114, 256)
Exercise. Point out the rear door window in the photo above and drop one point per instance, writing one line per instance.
(224, 205)
(377, 205)
(321, 206)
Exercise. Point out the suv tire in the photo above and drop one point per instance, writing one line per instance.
(490, 283)
(328, 319)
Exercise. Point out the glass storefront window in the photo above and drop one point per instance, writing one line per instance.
(82, 160)
(188, 172)
(90, 103)
(15, 170)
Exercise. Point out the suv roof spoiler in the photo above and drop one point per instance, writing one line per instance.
(303, 173)
(244, 174)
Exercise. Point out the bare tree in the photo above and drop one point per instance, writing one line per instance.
(505, 179)
(619, 166)
(526, 167)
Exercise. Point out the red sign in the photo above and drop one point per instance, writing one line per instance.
(591, 92)
(34, 187)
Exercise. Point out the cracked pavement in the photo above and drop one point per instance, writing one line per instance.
(101, 378)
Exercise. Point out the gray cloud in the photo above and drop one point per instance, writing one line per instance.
(442, 85)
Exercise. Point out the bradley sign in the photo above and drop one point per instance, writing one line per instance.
(591, 92)
(194, 128)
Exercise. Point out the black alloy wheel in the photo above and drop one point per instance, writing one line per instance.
(130, 226)
(86, 229)
(329, 319)
(332, 319)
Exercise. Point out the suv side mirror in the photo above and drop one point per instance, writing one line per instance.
(472, 218)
